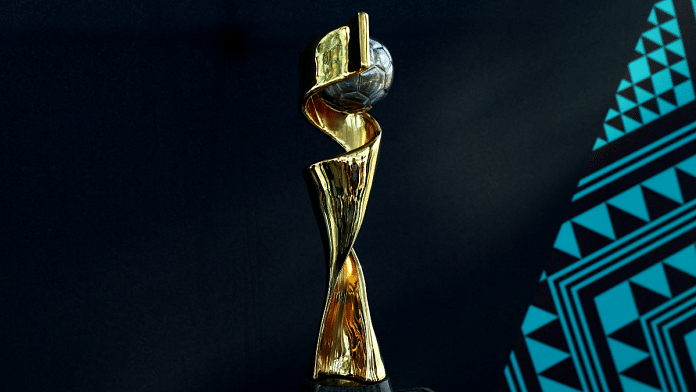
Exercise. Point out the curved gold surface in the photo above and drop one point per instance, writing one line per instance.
(340, 188)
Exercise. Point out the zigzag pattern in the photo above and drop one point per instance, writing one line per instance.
(629, 210)
(615, 309)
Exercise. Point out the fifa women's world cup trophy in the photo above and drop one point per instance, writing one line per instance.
(342, 75)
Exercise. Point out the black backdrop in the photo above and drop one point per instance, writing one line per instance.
(156, 231)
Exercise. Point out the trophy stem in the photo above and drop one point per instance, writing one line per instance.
(346, 345)
(340, 188)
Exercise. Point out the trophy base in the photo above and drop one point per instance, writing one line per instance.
(343, 385)
(330, 384)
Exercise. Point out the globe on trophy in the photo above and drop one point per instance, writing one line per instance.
(343, 74)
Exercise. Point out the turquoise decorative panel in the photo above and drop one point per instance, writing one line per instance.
(615, 309)
(658, 80)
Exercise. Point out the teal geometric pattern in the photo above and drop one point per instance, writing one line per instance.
(672, 306)
(615, 309)
(657, 81)
(690, 340)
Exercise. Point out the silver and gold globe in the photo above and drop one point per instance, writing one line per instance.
(362, 91)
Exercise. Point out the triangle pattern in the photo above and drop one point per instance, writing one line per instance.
(551, 334)
(643, 371)
(544, 356)
(688, 166)
(657, 67)
(652, 18)
(646, 300)
(679, 281)
(566, 241)
(654, 35)
(615, 123)
(690, 340)
(564, 373)
(611, 114)
(624, 103)
(682, 67)
(624, 355)
(632, 334)
(642, 95)
(646, 85)
(657, 204)
(653, 278)
(687, 184)
(673, 58)
(650, 46)
(630, 124)
(632, 202)
(599, 143)
(640, 48)
(651, 105)
(659, 56)
(677, 78)
(631, 385)
(611, 132)
(535, 319)
(636, 55)
(597, 219)
(672, 26)
(666, 6)
(684, 260)
(665, 107)
(662, 16)
(648, 115)
(548, 385)
(669, 96)
(628, 93)
(667, 37)
(557, 261)
(666, 184)
(676, 47)
(588, 240)
(657, 82)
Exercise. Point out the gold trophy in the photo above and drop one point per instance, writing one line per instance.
(342, 75)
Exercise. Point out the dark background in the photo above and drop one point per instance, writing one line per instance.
(157, 234)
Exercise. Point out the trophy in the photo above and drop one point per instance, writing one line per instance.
(342, 75)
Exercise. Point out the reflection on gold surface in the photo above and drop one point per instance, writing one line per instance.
(340, 188)
(348, 345)
(330, 53)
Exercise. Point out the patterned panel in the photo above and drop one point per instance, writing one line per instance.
(615, 309)
(657, 81)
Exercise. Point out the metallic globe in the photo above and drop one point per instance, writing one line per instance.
(364, 90)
